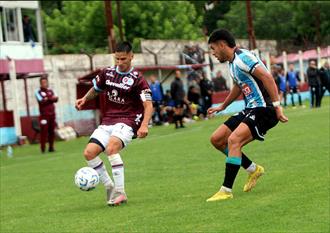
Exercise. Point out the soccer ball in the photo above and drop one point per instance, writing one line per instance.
(86, 178)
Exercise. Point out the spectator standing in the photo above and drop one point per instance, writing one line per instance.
(325, 79)
(281, 84)
(206, 93)
(313, 76)
(294, 82)
(179, 96)
(46, 98)
(157, 99)
(219, 83)
(28, 32)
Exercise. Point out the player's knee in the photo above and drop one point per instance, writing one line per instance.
(113, 149)
(234, 141)
(217, 141)
(89, 154)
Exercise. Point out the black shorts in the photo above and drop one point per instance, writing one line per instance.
(259, 120)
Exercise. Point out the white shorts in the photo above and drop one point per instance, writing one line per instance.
(120, 130)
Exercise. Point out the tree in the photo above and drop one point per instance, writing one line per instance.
(299, 22)
(312, 21)
(211, 17)
(81, 25)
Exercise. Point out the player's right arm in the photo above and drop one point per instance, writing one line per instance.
(233, 95)
(91, 94)
(98, 86)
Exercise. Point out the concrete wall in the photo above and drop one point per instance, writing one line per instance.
(63, 71)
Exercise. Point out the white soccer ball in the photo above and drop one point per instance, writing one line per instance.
(86, 178)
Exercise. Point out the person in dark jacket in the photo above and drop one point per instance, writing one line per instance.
(325, 78)
(206, 87)
(313, 76)
(28, 31)
(179, 96)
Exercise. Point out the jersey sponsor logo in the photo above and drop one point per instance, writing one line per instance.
(246, 90)
(128, 81)
(113, 97)
(119, 85)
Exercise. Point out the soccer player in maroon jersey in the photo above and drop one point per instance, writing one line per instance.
(46, 99)
(128, 112)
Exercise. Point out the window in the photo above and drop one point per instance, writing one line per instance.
(9, 24)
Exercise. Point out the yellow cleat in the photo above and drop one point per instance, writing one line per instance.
(221, 195)
(253, 177)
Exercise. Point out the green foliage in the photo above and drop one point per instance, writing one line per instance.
(82, 25)
(75, 25)
(79, 26)
(312, 20)
(302, 21)
(169, 175)
(217, 13)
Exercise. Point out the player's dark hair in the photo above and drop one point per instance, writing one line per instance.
(124, 46)
(222, 34)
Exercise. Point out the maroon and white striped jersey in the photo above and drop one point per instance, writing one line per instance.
(125, 93)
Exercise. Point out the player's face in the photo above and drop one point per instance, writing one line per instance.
(218, 50)
(123, 60)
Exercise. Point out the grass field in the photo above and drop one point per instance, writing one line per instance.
(169, 176)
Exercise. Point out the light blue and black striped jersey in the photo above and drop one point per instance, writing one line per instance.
(241, 69)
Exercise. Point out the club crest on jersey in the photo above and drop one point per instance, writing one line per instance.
(128, 81)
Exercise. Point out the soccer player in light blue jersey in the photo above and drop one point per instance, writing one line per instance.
(262, 111)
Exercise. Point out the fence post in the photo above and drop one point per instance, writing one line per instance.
(57, 82)
(285, 62)
(318, 51)
(301, 67)
(12, 75)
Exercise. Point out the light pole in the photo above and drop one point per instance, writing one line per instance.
(111, 32)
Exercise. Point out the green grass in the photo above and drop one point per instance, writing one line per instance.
(169, 176)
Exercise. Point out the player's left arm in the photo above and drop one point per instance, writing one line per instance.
(270, 85)
(146, 98)
(148, 111)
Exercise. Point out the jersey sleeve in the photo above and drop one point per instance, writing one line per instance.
(248, 62)
(99, 81)
(38, 96)
(143, 90)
